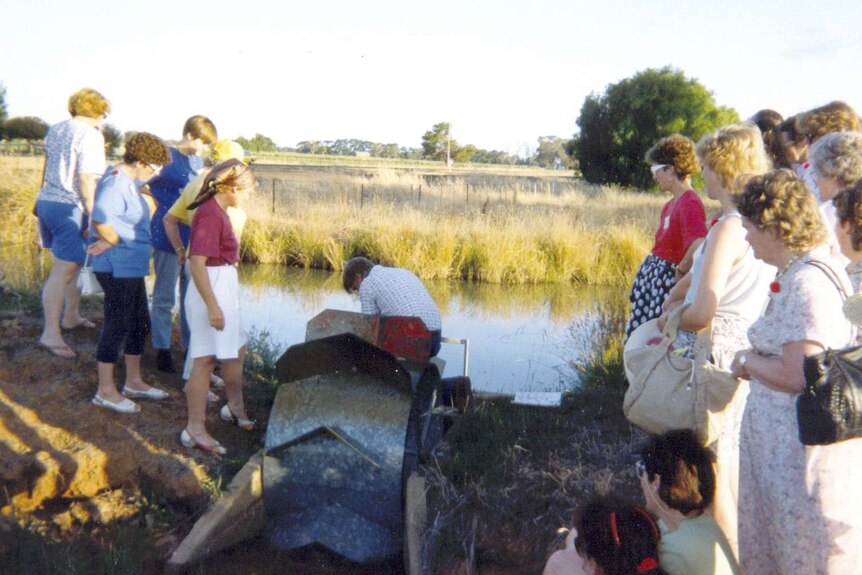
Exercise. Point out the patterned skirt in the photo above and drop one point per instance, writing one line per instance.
(652, 283)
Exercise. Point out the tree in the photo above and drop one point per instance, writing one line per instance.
(259, 143)
(3, 110)
(617, 128)
(113, 138)
(25, 128)
(552, 152)
(436, 143)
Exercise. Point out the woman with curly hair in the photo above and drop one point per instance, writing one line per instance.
(74, 160)
(212, 303)
(121, 218)
(611, 537)
(682, 225)
(726, 289)
(837, 162)
(798, 507)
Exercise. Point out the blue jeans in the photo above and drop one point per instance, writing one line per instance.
(165, 297)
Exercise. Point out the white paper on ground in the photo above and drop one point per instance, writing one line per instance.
(539, 398)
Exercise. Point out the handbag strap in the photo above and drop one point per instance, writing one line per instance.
(830, 273)
(833, 277)
(671, 326)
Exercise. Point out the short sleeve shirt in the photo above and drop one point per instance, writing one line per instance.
(72, 148)
(212, 235)
(120, 204)
(166, 188)
(683, 220)
(398, 292)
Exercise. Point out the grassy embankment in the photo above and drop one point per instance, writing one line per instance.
(443, 228)
(497, 231)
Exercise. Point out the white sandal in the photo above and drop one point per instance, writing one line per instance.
(125, 406)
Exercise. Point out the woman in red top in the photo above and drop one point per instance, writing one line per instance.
(683, 225)
(212, 302)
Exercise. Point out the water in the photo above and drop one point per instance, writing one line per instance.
(521, 338)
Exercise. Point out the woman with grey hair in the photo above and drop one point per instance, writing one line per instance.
(837, 163)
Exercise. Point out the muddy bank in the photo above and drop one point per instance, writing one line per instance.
(69, 468)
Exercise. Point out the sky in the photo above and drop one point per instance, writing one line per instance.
(502, 73)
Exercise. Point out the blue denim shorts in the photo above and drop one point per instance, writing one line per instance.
(61, 228)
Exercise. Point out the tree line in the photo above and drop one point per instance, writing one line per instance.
(615, 129)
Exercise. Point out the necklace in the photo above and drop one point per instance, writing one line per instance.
(775, 286)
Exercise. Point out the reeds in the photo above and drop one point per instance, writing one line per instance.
(501, 227)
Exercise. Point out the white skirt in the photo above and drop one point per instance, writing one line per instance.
(205, 340)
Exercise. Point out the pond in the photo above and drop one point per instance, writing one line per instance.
(521, 338)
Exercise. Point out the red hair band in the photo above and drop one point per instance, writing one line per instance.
(650, 521)
(614, 533)
(647, 565)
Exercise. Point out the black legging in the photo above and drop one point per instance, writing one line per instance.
(126, 316)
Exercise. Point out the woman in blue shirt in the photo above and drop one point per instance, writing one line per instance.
(121, 218)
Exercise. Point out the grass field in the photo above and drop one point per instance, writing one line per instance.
(506, 225)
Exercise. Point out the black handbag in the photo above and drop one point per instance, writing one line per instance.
(829, 409)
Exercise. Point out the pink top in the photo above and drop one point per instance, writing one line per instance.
(212, 235)
(683, 220)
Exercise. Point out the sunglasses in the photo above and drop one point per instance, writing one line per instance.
(656, 168)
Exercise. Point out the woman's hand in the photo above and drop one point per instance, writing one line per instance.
(738, 366)
(662, 321)
(99, 247)
(216, 317)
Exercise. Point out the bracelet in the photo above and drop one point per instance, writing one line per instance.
(179, 249)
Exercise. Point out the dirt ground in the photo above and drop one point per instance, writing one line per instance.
(70, 466)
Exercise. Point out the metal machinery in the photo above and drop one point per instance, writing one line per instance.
(360, 406)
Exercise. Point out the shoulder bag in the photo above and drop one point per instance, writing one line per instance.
(669, 391)
(829, 409)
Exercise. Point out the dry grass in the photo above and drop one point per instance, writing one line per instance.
(506, 227)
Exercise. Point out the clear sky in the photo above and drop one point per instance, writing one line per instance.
(501, 72)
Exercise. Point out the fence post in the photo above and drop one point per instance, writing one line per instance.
(467, 188)
(273, 195)
(361, 195)
(419, 201)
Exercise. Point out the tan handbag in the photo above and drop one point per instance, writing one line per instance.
(670, 391)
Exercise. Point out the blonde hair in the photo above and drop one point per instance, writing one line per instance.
(833, 117)
(89, 103)
(733, 151)
(223, 177)
(779, 201)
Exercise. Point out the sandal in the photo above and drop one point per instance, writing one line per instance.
(62, 350)
(187, 440)
(151, 393)
(227, 415)
(125, 406)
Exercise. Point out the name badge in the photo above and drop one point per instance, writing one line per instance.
(666, 222)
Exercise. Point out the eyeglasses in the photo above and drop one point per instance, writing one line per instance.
(656, 168)
(640, 467)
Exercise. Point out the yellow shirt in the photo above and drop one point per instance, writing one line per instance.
(181, 211)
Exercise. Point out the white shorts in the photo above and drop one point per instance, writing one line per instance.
(205, 340)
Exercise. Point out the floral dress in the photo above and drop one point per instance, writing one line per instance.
(799, 507)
